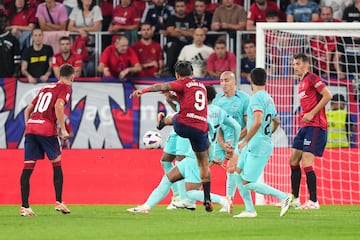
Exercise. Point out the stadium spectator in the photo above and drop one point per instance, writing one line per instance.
(197, 53)
(21, 21)
(340, 125)
(302, 11)
(106, 7)
(157, 14)
(41, 136)
(235, 103)
(323, 48)
(149, 53)
(202, 18)
(36, 59)
(65, 56)
(86, 17)
(257, 12)
(338, 6)
(248, 62)
(352, 12)
(9, 51)
(180, 30)
(126, 19)
(327, 15)
(69, 5)
(220, 60)
(347, 57)
(188, 169)
(191, 121)
(229, 17)
(52, 16)
(310, 140)
(257, 147)
(119, 61)
(272, 16)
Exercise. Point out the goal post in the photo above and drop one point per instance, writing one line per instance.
(334, 50)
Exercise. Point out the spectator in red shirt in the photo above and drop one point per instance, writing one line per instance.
(220, 60)
(257, 13)
(149, 53)
(323, 47)
(21, 21)
(65, 56)
(118, 60)
(125, 18)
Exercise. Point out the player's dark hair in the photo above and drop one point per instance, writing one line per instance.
(258, 76)
(66, 71)
(302, 56)
(211, 93)
(184, 68)
(64, 38)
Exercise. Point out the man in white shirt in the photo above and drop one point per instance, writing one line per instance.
(197, 53)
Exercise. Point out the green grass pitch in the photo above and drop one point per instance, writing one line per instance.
(113, 222)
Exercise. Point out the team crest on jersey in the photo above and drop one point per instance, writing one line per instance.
(153, 51)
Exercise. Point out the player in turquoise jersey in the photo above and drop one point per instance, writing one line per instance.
(257, 147)
(176, 148)
(235, 103)
(188, 168)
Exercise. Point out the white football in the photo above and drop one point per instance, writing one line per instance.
(152, 139)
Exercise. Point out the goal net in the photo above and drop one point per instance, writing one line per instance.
(334, 50)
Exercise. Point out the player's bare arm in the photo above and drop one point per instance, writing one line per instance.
(59, 112)
(157, 87)
(29, 109)
(326, 97)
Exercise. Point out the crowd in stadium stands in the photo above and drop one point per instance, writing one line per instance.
(139, 52)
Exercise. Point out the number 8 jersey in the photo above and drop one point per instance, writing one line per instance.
(43, 119)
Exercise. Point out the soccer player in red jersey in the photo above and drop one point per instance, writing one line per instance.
(41, 136)
(66, 56)
(118, 60)
(149, 53)
(191, 121)
(310, 140)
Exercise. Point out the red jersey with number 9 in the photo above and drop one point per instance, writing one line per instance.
(192, 97)
(43, 119)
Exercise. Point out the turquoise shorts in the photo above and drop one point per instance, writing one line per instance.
(176, 145)
(252, 164)
(189, 169)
